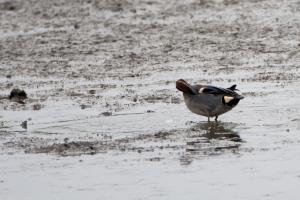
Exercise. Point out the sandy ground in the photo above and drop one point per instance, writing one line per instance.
(104, 121)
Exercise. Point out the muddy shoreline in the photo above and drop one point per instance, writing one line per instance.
(100, 79)
(108, 58)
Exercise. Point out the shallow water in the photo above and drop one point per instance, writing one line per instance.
(104, 121)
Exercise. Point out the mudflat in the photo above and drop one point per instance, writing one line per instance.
(103, 119)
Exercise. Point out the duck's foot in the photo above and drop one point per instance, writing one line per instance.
(216, 118)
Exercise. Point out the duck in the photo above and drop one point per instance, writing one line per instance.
(207, 100)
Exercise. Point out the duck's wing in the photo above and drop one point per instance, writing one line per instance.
(208, 89)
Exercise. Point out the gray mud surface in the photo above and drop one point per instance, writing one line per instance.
(103, 119)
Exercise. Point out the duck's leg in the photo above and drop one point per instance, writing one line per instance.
(208, 120)
(216, 118)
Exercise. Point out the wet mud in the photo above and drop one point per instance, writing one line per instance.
(100, 76)
(113, 57)
(205, 139)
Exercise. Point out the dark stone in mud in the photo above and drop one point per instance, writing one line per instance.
(24, 124)
(106, 114)
(18, 95)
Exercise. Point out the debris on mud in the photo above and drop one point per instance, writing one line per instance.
(18, 95)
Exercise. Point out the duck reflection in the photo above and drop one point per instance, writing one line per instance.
(221, 131)
(209, 139)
